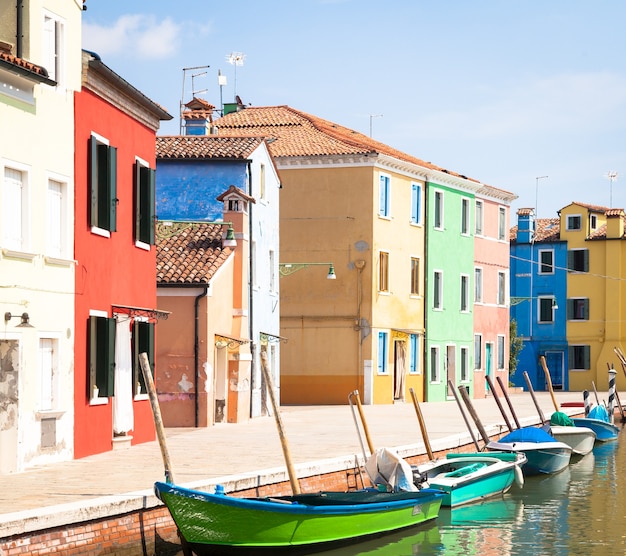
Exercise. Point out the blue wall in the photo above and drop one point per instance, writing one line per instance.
(187, 189)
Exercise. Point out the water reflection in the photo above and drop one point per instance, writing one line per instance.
(576, 512)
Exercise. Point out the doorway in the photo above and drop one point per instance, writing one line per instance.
(555, 360)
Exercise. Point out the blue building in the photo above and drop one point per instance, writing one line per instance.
(539, 299)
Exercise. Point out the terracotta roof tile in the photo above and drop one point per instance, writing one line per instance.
(205, 146)
(614, 212)
(24, 64)
(525, 211)
(191, 256)
(593, 208)
(296, 133)
(547, 230)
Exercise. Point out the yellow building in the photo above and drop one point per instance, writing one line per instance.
(596, 293)
(356, 204)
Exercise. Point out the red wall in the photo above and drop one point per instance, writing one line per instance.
(110, 271)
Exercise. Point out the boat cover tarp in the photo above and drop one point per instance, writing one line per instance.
(599, 412)
(527, 434)
(558, 418)
(386, 467)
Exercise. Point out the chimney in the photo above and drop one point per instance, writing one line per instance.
(525, 225)
(614, 223)
(198, 117)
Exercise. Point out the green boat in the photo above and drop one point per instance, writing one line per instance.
(218, 523)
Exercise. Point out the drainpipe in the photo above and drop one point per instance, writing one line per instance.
(196, 350)
(253, 344)
(19, 25)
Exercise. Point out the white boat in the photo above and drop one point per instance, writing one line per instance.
(543, 452)
(581, 439)
(564, 429)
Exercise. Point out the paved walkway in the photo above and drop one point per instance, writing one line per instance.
(314, 434)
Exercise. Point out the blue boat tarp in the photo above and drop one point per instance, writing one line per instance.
(527, 434)
(600, 413)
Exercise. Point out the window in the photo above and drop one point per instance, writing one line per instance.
(52, 47)
(416, 203)
(415, 276)
(478, 218)
(578, 260)
(478, 285)
(15, 213)
(57, 220)
(464, 293)
(593, 219)
(143, 342)
(574, 222)
(579, 358)
(501, 347)
(144, 203)
(102, 184)
(434, 364)
(48, 374)
(438, 217)
(546, 261)
(414, 356)
(501, 223)
(383, 272)
(382, 352)
(262, 181)
(384, 193)
(578, 309)
(438, 289)
(465, 216)
(478, 351)
(272, 271)
(464, 364)
(501, 288)
(546, 309)
(101, 356)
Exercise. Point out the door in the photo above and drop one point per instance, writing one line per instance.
(451, 368)
(488, 359)
(555, 360)
(399, 369)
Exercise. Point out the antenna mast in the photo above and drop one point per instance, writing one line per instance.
(182, 98)
(235, 59)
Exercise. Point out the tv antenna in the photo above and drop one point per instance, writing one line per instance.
(372, 116)
(221, 81)
(235, 59)
(612, 176)
(182, 98)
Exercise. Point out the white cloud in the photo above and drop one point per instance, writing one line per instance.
(134, 34)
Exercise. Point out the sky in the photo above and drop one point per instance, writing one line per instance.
(524, 95)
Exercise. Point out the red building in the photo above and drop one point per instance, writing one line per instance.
(116, 316)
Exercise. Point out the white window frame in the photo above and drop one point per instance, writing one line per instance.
(48, 374)
(383, 273)
(540, 299)
(438, 213)
(465, 216)
(9, 225)
(478, 284)
(542, 264)
(464, 364)
(502, 288)
(479, 214)
(571, 219)
(478, 352)
(415, 279)
(53, 47)
(438, 290)
(465, 293)
(435, 366)
(501, 224)
(501, 348)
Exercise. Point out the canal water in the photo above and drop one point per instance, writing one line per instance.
(579, 511)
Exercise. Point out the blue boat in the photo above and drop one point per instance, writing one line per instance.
(598, 421)
(544, 454)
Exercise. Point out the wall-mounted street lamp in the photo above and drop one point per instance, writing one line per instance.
(172, 228)
(286, 269)
(24, 320)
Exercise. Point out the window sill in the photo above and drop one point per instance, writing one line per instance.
(140, 397)
(48, 414)
(23, 255)
(100, 232)
(55, 261)
(99, 401)
(142, 245)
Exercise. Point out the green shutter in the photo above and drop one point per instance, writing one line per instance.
(102, 355)
(570, 260)
(143, 342)
(586, 357)
(570, 309)
(586, 260)
(92, 355)
(112, 175)
(93, 181)
(586, 309)
(137, 206)
(151, 201)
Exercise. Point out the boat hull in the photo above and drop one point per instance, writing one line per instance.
(605, 431)
(218, 523)
(580, 439)
(542, 457)
(469, 478)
